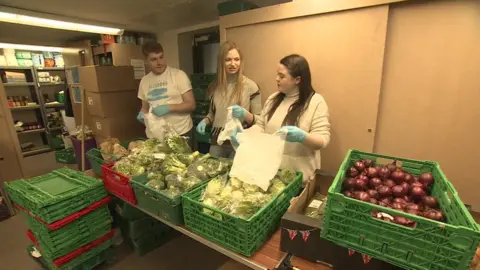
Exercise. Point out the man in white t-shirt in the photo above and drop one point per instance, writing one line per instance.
(166, 91)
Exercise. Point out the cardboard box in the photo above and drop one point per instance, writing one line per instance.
(107, 78)
(300, 234)
(113, 104)
(123, 128)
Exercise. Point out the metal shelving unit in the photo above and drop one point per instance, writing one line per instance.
(31, 131)
(23, 108)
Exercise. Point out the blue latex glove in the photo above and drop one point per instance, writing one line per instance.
(157, 94)
(140, 117)
(234, 139)
(201, 127)
(294, 134)
(239, 112)
(161, 110)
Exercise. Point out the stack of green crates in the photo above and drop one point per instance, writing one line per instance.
(55, 198)
(141, 231)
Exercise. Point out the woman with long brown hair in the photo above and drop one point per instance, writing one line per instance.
(299, 112)
(230, 88)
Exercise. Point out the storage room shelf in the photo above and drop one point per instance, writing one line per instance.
(52, 83)
(19, 84)
(32, 131)
(36, 150)
(55, 129)
(50, 68)
(54, 105)
(22, 108)
(15, 67)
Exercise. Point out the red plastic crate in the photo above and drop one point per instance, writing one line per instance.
(64, 221)
(59, 262)
(118, 184)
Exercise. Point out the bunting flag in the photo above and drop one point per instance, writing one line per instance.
(351, 252)
(292, 233)
(305, 235)
(366, 258)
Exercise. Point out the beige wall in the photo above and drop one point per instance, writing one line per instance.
(406, 71)
(169, 41)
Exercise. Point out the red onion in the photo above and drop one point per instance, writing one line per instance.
(413, 212)
(405, 186)
(360, 184)
(416, 184)
(349, 183)
(403, 221)
(384, 191)
(389, 183)
(383, 172)
(392, 166)
(397, 176)
(399, 200)
(417, 193)
(434, 214)
(373, 193)
(407, 198)
(348, 193)
(412, 206)
(430, 201)
(363, 177)
(368, 163)
(399, 191)
(372, 172)
(374, 182)
(387, 200)
(352, 172)
(426, 179)
(408, 178)
(398, 206)
(362, 196)
(373, 200)
(359, 165)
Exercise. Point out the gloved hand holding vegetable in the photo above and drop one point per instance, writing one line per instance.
(201, 126)
(234, 140)
(141, 117)
(239, 112)
(161, 110)
(294, 134)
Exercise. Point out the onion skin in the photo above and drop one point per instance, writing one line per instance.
(426, 179)
(349, 183)
(416, 184)
(352, 172)
(392, 166)
(434, 214)
(413, 206)
(413, 212)
(368, 163)
(417, 193)
(398, 206)
(398, 176)
(408, 178)
(389, 183)
(399, 191)
(359, 165)
(372, 172)
(348, 193)
(374, 182)
(430, 201)
(384, 191)
(383, 172)
(407, 198)
(405, 186)
(360, 184)
(400, 200)
(362, 196)
(373, 200)
(373, 193)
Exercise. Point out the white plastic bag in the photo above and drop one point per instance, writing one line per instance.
(155, 126)
(258, 157)
(232, 126)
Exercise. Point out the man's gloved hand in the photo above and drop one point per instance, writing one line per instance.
(161, 110)
(201, 127)
(294, 134)
(157, 94)
(234, 140)
(140, 117)
(239, 112)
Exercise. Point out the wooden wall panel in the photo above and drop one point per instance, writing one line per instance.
(429, 106)
(345, 52)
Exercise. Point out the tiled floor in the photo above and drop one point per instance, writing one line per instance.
(181, 253)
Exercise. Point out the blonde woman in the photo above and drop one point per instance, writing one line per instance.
(230, 88)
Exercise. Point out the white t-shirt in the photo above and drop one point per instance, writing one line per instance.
(174, 83)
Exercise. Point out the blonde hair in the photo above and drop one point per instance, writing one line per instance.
(220, 82)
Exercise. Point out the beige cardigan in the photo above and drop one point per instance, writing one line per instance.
(314, 120)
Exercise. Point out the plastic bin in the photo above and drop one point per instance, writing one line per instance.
(127, 211)
(77, 146)
(56, 195)
(118, 184)
(96, 160)
(135, 229)
(78, 256)
(148, 242)
(238, 234)
(429, 245)
(56, 141)
(66, 156)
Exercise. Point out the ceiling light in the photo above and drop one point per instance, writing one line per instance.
(37, 48)
(56, 24)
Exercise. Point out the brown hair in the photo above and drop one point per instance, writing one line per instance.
(151, 47)
(220, 81)
(297, 66)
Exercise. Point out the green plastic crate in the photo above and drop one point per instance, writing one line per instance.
(127, 211)
(55, 141)
(200, 93)
(157, 203)
(73, 235)
(202, 108)
(150, 241)
(203, 138)
(430, 245)
(95, 157)
(196, 118)
(56, 195)
(135, 229)
(66, 156)
(240, 235)
(202, 78)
